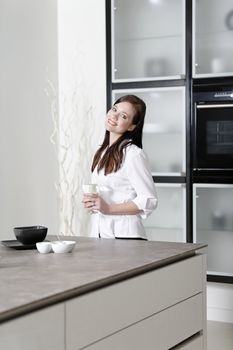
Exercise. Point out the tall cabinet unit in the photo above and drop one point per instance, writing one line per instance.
(162, 51)
(146, 53)
(212, 73)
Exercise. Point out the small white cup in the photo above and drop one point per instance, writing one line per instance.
(44, 247)
(63, 246)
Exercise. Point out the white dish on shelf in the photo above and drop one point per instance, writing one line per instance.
(63, 246)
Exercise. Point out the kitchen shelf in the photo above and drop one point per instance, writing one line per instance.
(172, 36)
(200, 35)
(153, 78)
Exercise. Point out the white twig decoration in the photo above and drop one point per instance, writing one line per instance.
(72, 131)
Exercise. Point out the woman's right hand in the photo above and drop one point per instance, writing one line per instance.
(93, 201)
(89, 200)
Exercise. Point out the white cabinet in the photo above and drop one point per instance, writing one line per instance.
(164, 128)
(148, 39)
(168, 221)
(155, 310)
(160, 331)
(213, 224)
(148, 44)
(212, 38)
(44, 329)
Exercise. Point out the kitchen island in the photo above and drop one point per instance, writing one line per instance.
(105, 295)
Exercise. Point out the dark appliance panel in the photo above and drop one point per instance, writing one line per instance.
(212, 135)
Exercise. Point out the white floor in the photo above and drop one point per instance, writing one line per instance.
(219, 335)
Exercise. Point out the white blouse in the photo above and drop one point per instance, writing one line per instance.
(132, 182)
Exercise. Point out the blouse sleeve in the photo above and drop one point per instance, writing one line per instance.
(141, 180)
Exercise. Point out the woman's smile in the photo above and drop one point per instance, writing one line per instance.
(111, 122)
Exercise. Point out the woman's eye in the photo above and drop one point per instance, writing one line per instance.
(114, 109)
(123, 116)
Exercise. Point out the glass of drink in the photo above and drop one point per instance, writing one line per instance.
(90, 189)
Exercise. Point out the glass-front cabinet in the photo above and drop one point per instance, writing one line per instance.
(150, 46)
(164, 128)
(168, 221)
(212, 38)
(213, 224)
(148, 39)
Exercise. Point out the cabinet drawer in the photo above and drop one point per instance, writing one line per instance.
(160, 331)
(96, 315)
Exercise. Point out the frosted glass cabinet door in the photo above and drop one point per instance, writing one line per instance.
(213, 37)
(213, 224)
(148, 39)
(168, 221)
(164, 128)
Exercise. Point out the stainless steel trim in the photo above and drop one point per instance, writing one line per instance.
(213, 169)
(215, 106)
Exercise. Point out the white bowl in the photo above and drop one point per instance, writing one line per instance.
(63, 246)
(44, 247)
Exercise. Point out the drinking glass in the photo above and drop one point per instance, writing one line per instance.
(89, 189)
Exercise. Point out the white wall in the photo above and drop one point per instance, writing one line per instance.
(42, 43)
(28, 36)
(82, 102)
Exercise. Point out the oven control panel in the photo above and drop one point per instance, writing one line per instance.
(206, 96)
(223, 94)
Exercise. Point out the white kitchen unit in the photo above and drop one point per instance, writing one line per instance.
(212, 38)
(107, 294)
(158, 310)
(166, 308)
(168, 221)
(164, 128)
(213, 225)
(148, 39)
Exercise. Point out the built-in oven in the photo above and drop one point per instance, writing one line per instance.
(212, 133)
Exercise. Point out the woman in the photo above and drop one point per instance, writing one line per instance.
(120, 169)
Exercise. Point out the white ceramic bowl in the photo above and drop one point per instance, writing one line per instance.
(63, 246)
(44, 247)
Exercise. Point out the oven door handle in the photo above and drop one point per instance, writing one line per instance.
(215, 106)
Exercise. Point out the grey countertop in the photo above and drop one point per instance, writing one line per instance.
(30, 280)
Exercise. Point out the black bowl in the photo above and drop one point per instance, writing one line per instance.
(30, 234)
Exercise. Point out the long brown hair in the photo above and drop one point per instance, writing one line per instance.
(113, 156)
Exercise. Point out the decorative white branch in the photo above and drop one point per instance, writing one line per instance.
(73, 128)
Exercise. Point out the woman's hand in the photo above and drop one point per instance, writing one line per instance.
(93, 201)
